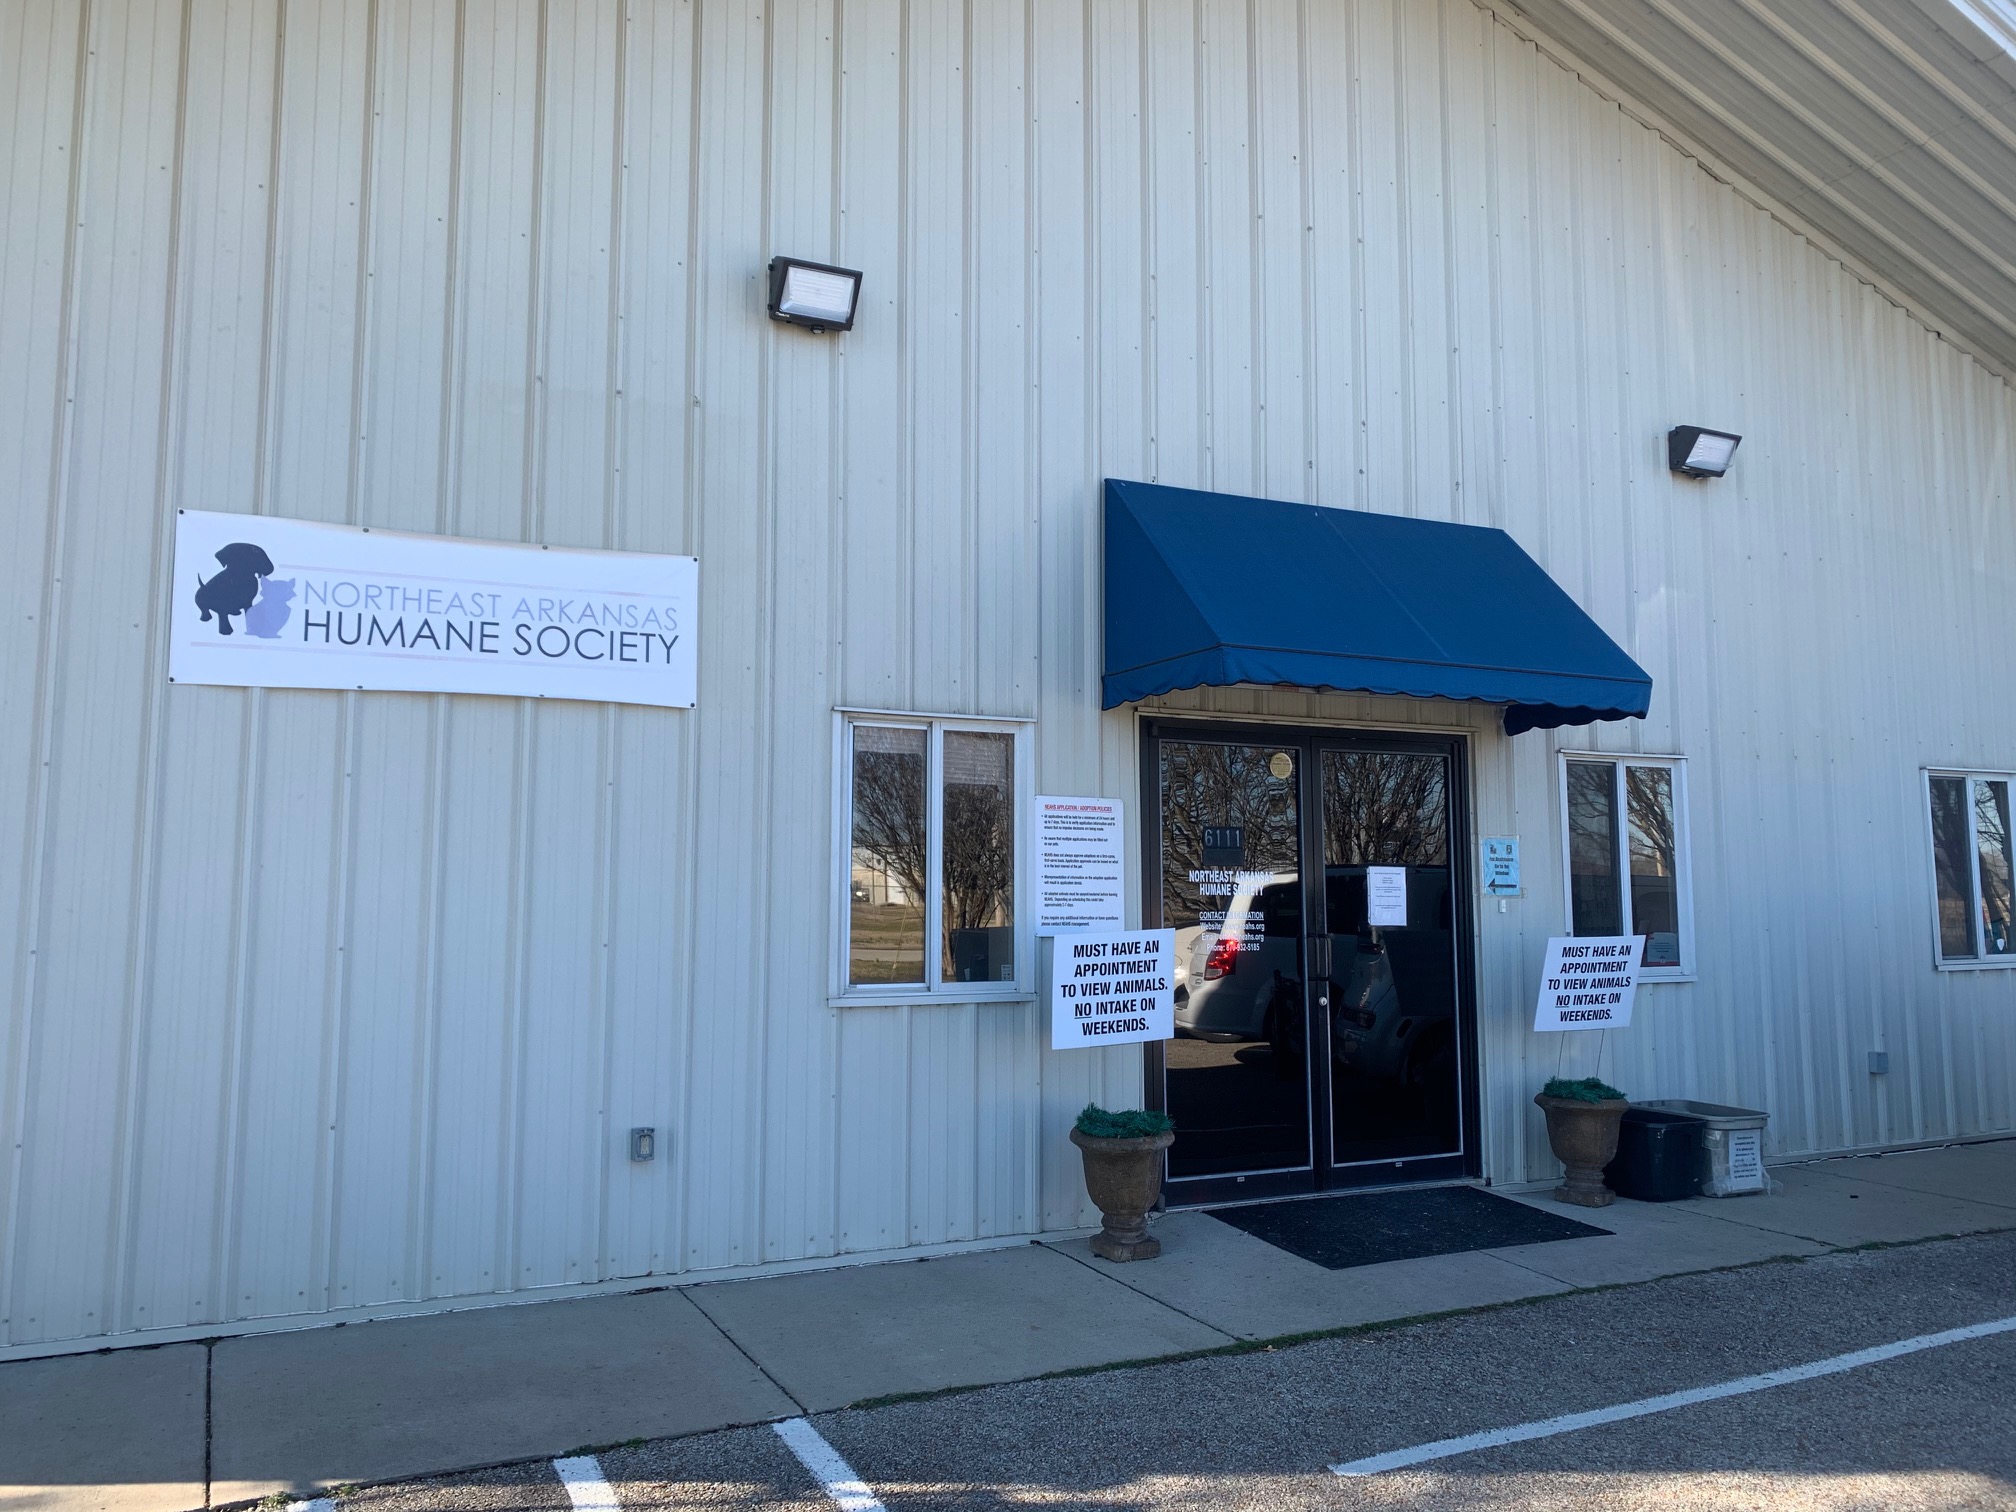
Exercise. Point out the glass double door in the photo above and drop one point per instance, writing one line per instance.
(1318, 889)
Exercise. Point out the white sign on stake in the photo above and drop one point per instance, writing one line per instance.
(263, 602)
(1081, 868)
(1386, 896)
(1588, 982)
(1112, 989)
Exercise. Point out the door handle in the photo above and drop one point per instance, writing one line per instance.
(1319, 957)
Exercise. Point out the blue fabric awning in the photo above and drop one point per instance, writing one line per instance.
(1207, 589)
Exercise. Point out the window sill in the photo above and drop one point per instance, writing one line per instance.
(1650, 978)
(2004, 963)
(941, 998)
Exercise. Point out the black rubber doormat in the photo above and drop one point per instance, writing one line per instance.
(1364, 1228)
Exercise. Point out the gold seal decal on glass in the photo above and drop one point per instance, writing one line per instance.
(1281, 764)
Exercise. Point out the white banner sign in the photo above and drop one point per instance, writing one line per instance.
(261, 602)
(1081, 869)
(1588, 982)
(1112, 989)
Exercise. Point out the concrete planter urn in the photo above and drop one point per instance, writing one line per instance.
(1583, 1136)
(1124, 1176)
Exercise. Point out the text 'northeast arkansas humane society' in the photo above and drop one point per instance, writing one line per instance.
(261, 602)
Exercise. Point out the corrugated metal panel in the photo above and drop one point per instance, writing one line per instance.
(1887, 128)
(333, 1001)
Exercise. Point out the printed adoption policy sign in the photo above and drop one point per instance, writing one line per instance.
(260, 602)
(1112, 989)
(1588, 982)
(1081, 870)
(1386, 896)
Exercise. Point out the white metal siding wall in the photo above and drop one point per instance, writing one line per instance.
(323, 1001)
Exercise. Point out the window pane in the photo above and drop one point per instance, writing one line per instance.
(885, 940)
(1595, 905)
(1655, 869)
(1383, 808)
(1952, 865)
(1396, 1079)
(1237, 1073)
(979, 857)
(1991, 824)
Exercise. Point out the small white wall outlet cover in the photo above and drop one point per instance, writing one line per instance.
(643, 1144)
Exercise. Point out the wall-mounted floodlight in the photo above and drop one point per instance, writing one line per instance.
(813, 295)
(1699, 453)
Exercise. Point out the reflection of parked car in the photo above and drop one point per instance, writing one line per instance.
(1227, 976)
(1393, 992)
(1186, 941)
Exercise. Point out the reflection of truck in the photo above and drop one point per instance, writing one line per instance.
(1392, 990)
(1226, 975)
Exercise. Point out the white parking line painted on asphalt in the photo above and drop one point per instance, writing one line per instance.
(581, 1474)
(849, 1492)
(1396, 1459)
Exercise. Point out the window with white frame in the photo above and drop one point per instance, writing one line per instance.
(1624, 845)
(931, 812)
(1971, 865)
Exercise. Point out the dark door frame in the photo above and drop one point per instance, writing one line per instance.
(1323, 1174)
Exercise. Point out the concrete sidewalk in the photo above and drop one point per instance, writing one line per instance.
(188, 1425)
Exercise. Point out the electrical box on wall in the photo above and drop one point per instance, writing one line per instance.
(643, 1144)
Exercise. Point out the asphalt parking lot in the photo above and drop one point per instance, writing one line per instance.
(1931, 1429)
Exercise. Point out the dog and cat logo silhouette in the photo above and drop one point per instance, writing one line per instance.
(246, 587)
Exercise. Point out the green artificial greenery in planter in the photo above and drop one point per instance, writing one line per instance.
(1123, 1173)
(1589, 1089)
(1583, 1118)
(1132, 1123)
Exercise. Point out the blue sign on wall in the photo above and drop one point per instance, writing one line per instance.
(1501, 866)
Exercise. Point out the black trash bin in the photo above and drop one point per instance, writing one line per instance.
(1658, 1156)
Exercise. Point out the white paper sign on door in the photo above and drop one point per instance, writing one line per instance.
(1386, 896)
(1112, 989)
(1588, 982)
(1081, 868)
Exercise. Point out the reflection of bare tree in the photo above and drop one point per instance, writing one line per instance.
(1597, 905)
(1648, 803)
(1654, 862)
(1205, 784)
(1952, 864)
(1991, 825)
(979, 831)
(1384, 808)
(889, 808)
(1592, 817)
